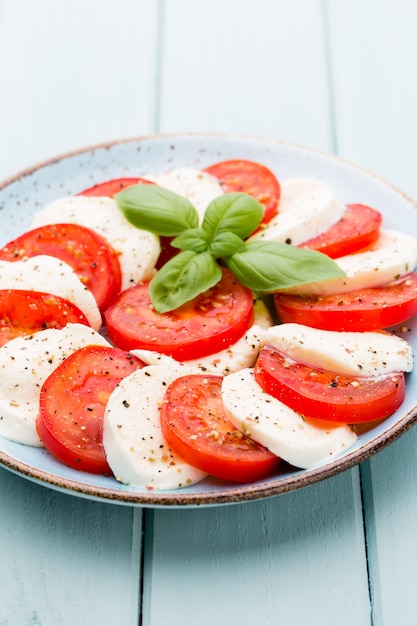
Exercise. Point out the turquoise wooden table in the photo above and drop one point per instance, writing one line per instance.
(339, 76)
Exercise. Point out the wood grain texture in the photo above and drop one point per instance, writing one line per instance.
(374, 52)
(390, 485)
(331, 75)
(277, 561)
(257, 69)
(293, 558)
(66, 560)
(74, 74)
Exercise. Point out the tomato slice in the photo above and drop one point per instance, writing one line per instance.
(111, 187)
(72, 404)
(25, 312)
(237, 175)
(167, 251)
(196, 427)
(357, 229)
(211, 322)
(92, 258)
(374, 308)
(320, 394)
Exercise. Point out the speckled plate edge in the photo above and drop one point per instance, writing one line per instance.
(220, 494)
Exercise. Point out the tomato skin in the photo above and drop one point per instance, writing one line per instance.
(195, 426)
(72, 404)
(374, 308)
(25, 312)
(167, 251)
(109, 188)
(324, 395)
(357, 229)
(211, 322)
(90, 255)
(239, 175)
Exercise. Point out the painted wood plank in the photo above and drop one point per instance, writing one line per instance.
(255, 112)
(74, 74)
(291, 559)
(252, 67)
(64, 67)
(66, 560)
(294, 559)
(390, 486)
(374, 54)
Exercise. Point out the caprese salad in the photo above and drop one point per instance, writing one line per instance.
(202, 322)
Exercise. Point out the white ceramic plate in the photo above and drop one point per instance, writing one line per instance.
(22, 195)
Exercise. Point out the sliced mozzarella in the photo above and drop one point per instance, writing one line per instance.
(198, 187)
(50, 275)
(25, 363)
(307, 207)
(279, 428)
(352, 353)
(393, 255)
(243, 352)
(138, 249)
(151, 357)
(132, 436)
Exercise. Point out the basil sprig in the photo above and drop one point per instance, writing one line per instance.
(263, 266)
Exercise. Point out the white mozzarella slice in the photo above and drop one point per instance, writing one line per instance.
(198, 187)
(393, 255)
(25, 363)
(132, 436)
(353, 353)
(243, 352)
(280, 429)
(138, 249)
(307, 207)
(151, 357)
(50, 275)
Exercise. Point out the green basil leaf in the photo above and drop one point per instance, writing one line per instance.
(192, 239)
(238, 213)
(225, 244)
(157, 210)
(269, 266)
(183, 278)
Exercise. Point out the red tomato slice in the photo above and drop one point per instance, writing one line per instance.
(374, 308)
(25, 312)
(111, 187)
(211, 322)
(92, 258)
(167, 251)
(321, 394)
(249, 177)
(195, 426)
(72, 404)
(357, 229)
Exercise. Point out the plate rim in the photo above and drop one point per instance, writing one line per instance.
(31, 169)
(231, 493)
